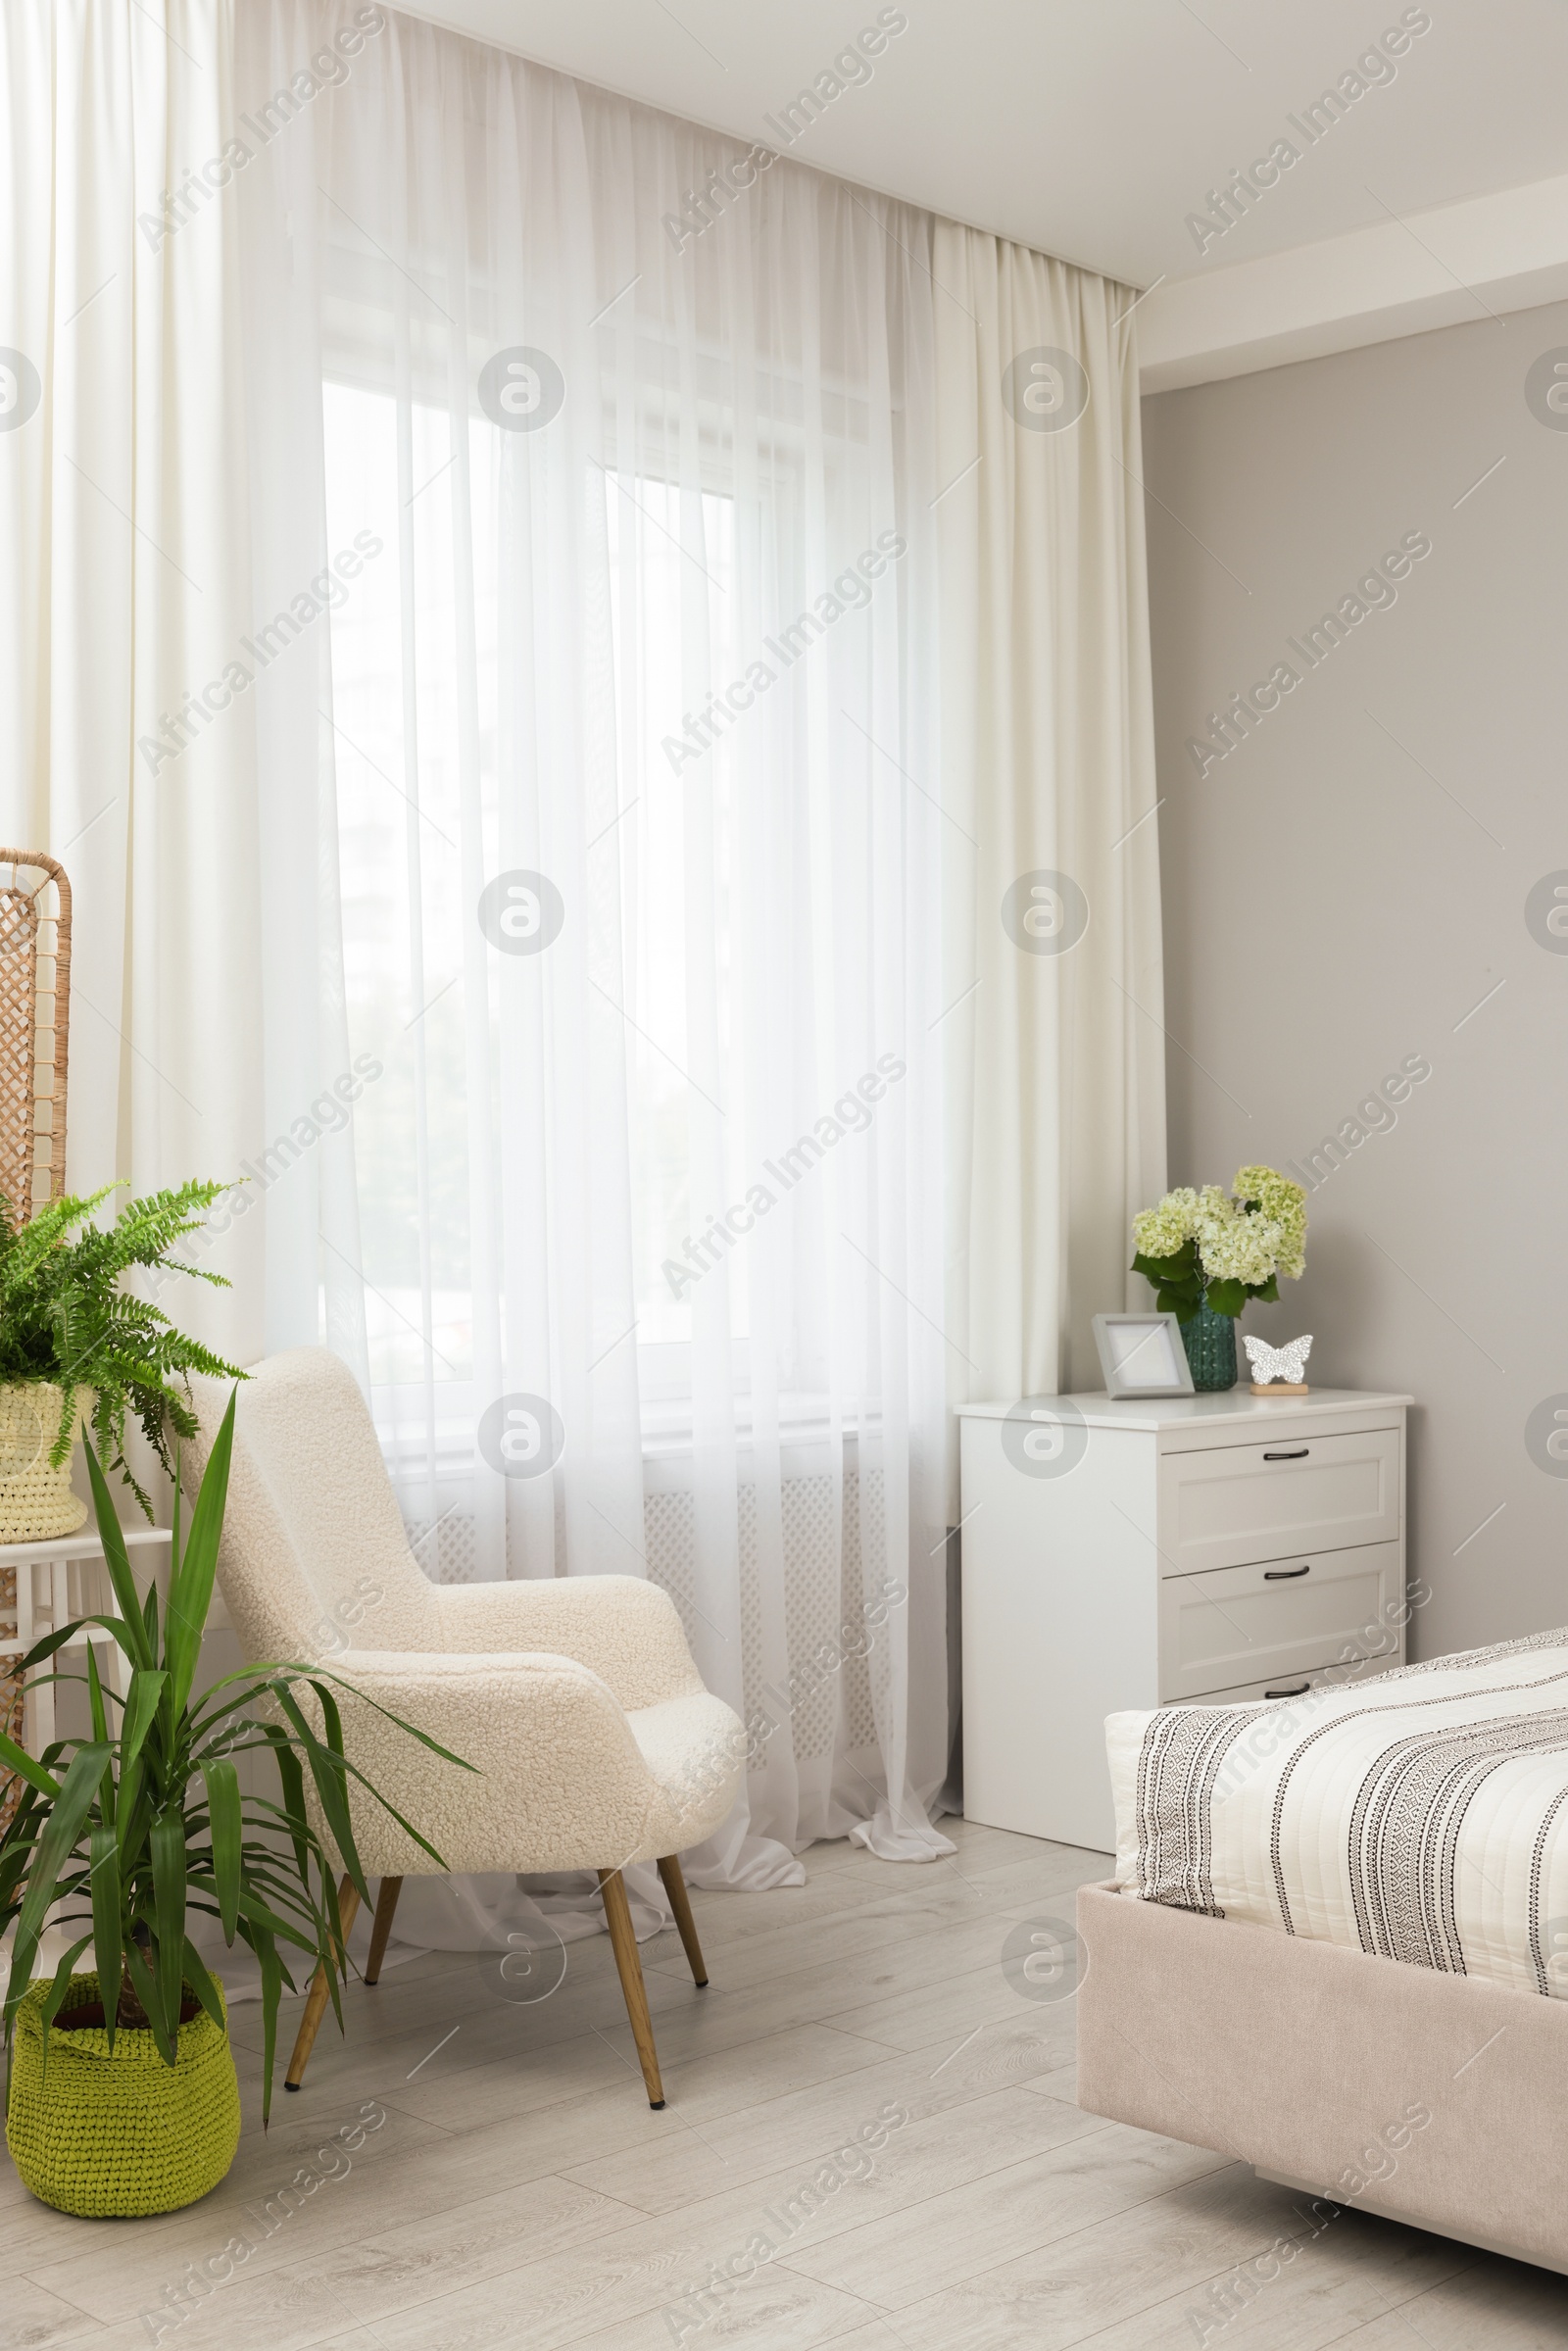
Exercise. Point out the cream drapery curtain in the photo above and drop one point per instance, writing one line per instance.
(1056, 1077)
(123, 593)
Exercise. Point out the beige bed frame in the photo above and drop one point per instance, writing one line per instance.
(1306, 2061)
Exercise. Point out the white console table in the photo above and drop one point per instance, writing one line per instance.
(1128, 1554)
(57, 1581)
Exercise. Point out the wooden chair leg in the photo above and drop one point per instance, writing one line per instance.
(316, 2004)
(618, 1911)
(669, 1869)
(386, 1903)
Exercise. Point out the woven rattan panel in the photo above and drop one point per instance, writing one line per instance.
(34, 998)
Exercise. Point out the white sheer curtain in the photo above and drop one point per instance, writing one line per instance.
(602, 828)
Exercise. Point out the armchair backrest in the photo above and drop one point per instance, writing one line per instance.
(314, 1556)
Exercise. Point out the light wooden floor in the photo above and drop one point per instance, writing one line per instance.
(520, 2191)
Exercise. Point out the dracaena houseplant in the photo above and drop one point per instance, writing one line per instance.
(66, 1318)
(132, 1828)
(1201, 1247)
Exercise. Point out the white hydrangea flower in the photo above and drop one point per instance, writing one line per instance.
(1258, 1229)
(1161, 1231)
(1284, 1204)
(1238, 1248)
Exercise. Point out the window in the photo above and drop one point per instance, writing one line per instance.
(418, 792)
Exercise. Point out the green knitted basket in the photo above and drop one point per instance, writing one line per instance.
(114, 2136)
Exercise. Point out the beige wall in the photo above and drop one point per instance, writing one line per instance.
(1349, 881)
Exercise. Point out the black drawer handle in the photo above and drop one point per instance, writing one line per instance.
(1300, 1454)
(1284, 1575)
(1298, 1689)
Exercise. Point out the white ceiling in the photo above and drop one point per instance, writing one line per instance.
(1089, 128)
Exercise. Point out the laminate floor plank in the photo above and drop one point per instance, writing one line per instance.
(701, 2089)
(1224, 2258)
(633, 2264)
(1503, 2305)
(965, 2231)
(803, 2124)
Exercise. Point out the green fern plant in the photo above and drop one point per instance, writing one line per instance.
(66, 1316)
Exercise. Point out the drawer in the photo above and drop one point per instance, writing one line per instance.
(1273, 1623)
(1292, 1685)
(1240, 1502)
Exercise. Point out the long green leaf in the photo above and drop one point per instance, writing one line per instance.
(16, 1759)
(72, 1805)
(57, 1639)
(95, 1698)
(263, 1676)
(255, 1914)
(351, 1771)
(205, 1713)
(135, 1813)
(343, 1770)
(107, 1944)
(176, 1527)
(201, 1985)
(328, 1771)
(266, 1950)
(166, 1841)
(115, 1557)
(334, 1944)
(365, 1698)
(14, 1862)
(56, 1998)
(141, 1709)
(190, 1589)
(228, 1837)
(99, 1732)
(146, 1990)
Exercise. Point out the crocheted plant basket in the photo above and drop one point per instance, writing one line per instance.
(35, 1498)
(116, 2135)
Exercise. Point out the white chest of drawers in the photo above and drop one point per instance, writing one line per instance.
(1128, 1554)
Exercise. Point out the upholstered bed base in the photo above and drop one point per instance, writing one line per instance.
(1315, 2064)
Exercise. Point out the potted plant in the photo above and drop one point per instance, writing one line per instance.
(1206, 1255)
(123, 2096)
(75, 1344)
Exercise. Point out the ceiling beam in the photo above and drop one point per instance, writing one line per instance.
(1405, 276)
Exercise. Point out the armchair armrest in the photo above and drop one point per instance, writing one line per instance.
(627, 1630)
(559, 1780)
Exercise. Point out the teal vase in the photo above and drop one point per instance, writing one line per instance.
(1210, 1343)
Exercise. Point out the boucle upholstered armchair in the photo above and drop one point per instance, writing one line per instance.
(596, 1743)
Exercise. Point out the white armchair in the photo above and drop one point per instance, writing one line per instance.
(577, 1699)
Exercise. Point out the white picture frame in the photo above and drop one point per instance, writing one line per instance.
(1143, 1355)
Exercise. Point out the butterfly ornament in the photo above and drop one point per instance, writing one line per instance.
(1284, 1365)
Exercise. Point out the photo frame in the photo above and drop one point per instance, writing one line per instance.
(1143, 1355)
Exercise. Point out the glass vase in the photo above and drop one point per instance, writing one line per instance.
(1210, 1343)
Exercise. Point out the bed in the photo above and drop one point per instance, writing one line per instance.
(1336, 1944)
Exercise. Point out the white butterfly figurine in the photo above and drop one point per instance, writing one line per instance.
(1287, 1363)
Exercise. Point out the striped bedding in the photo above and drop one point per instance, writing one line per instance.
(1422, 1815)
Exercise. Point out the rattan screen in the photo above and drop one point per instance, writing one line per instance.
(34, 1001)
